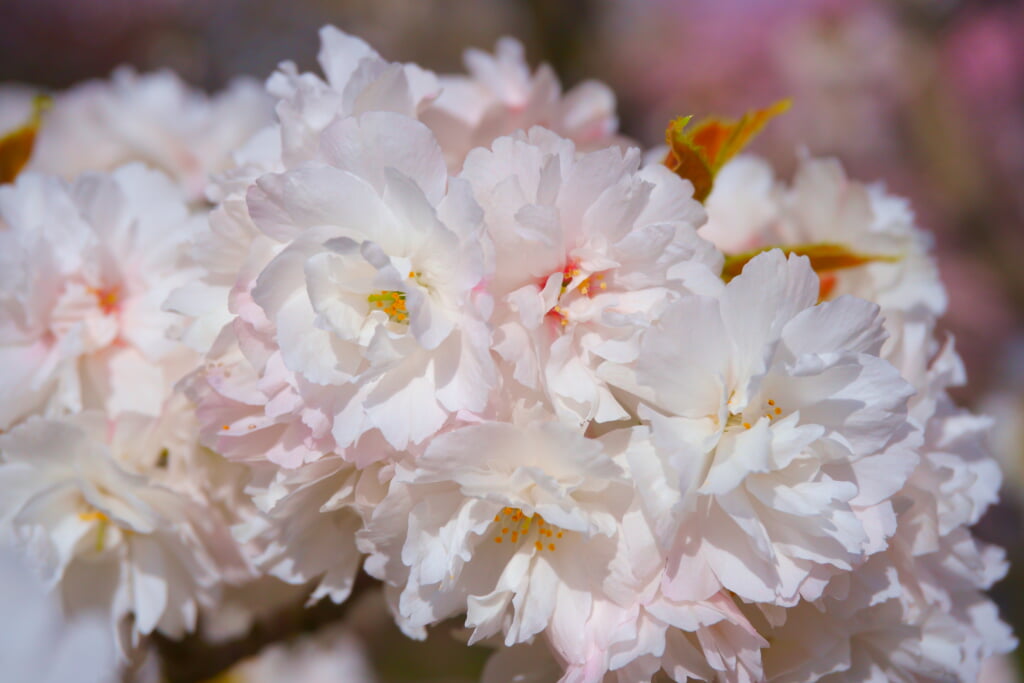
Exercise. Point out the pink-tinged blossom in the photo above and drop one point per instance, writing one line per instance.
(750, 209)
(640, 631)
(394, 186)
(773, 420)
(356, 80)
(501, 96)
(85, 269)
(587, 250)
(231, 253)
(375, 293)
(107, 537)
(308, 517)
(155, 119)
(448, 338)
(518, 527)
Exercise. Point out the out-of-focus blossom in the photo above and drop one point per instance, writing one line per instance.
(109, 538)
(985, 62)
(38, 644)
(151, 118)
(834, 58)
(998, 670)
(500, 96)
(85, 270)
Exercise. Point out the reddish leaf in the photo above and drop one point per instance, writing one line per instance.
(825, 257)
(699, 153)
(16, 146)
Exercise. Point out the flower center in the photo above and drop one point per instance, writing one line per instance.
(391, 302)
(771, 411)
(585, 287)
(102, 522)
(108, 298)
(515, 526)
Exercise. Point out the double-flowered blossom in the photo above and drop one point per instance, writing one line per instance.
(109, 492)
(374, 293)
(455, 331)
(772, 420)
(111, 537)
(514, 524)
(883, 257)
(86, 268)
(586, 250)
(501, 96)
(153, 118)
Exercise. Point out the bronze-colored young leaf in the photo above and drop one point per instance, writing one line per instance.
(699, 153)
(825, 257)
(16, 146)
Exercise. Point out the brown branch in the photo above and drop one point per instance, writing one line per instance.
(192, 659)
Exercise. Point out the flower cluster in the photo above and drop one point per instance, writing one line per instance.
(456, 330)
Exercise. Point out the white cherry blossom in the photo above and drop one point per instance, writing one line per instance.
(109, 538)
(749, 209)
(516, 526)
(309, 516)
(153, 118)
(453, 330)
(587, 249)
(39, 644)
(501, 96)
(86, 268)
(774, 421)
(375, 294)
(358, 80)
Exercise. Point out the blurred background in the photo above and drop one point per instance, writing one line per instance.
(926, 96)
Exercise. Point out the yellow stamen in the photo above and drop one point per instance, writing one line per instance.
(93, 516)
(391, 302)
(101, 527)
(521, 525)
